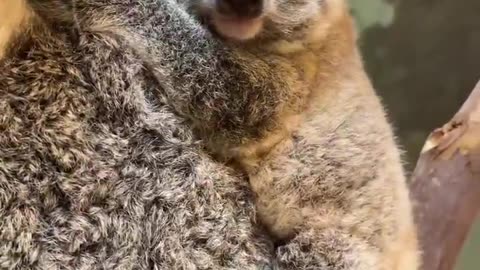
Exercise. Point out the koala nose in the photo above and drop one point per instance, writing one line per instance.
(240, 8)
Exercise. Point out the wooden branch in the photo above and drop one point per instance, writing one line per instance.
(445, 186)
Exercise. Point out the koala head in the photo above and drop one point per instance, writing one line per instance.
(245, 19)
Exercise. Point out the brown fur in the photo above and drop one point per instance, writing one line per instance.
(333, 89)
(326, 171)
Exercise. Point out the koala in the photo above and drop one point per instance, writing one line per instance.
(320, 156)
(111, 111)
(96, 171)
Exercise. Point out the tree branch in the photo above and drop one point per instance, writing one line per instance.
(445, 186)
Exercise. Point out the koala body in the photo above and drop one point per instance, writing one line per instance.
(324, 166)
(95, 171)
(103, 103)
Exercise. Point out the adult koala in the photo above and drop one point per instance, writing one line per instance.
(96, 171)
(99, 167)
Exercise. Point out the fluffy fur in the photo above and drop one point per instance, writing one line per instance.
(101, 168)
(324, 163)
(95, 171)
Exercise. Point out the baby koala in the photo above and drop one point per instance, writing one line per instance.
(314, 140)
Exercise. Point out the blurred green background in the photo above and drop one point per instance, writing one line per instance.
(424, 59)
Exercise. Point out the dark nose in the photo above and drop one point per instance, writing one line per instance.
(240, 8)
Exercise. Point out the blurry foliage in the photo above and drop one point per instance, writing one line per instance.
(372, 12)
(424, 59)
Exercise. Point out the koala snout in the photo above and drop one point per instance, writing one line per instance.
(246, 9)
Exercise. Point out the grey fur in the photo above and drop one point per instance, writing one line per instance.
(103, 129)
(95, 176)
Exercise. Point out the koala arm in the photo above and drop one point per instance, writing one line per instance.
(234, 91)
(219, 87)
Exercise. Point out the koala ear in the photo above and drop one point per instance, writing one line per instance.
(60, 15)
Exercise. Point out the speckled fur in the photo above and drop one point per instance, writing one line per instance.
(95, 175)
(324, 165)
(101, 166)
